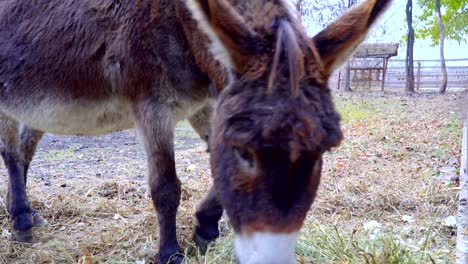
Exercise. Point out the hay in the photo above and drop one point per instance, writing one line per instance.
(98, 207)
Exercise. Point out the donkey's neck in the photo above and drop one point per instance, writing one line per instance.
(199, 44)
(259, 15)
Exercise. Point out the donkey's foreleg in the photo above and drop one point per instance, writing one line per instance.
(17, 201)
(156, 129)
(29, 140)
(210, 210)
(208, 214)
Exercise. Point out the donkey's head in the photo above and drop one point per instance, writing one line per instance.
(276, 118)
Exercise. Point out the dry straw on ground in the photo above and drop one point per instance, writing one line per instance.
(379, 201)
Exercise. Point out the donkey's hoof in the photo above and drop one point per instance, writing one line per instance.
(24, 236)
(38, 220)
(201, 243)
(173, 259)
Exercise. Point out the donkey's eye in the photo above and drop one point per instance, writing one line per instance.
(245, 157)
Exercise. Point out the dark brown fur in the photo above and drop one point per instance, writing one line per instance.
(85, 62)
(280, 119)
(92, 51)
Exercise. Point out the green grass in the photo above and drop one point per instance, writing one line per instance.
(356, 112)
(62, 154)
(320, 243)
(220, 252)
(452, 128)
(185, 130)
(440, 151)
(327, 244)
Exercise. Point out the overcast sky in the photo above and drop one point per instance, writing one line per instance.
(395, 21)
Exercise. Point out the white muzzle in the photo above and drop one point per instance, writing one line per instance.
(266, 248)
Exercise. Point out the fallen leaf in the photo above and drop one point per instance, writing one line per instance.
(86, 259)
(340, 165)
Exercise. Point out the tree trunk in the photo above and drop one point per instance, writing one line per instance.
(347, 77)
(409, 50)
(443, 85)
(347, 69)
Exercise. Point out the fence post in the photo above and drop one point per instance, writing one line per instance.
(419, 76)
(385, 63)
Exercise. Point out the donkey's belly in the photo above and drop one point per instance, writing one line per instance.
(79, 117)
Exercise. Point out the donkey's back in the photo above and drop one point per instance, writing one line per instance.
(93, 67)
(82, 64)
(61, 44)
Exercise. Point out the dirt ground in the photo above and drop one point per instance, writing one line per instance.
(93, 191)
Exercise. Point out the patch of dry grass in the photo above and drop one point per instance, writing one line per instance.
(94, 195)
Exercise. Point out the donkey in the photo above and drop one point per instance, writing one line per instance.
(244, 74)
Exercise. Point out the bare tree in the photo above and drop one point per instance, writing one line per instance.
(409, 62)
(320, 12)
(347, 69)
(305, 10)
(300, 8)
(443, 85)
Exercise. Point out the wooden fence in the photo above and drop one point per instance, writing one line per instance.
(367, 75)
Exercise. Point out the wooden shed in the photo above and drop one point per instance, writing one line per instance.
(382, 51)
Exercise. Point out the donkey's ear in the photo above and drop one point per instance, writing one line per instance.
(232, 39)
(336, 43)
